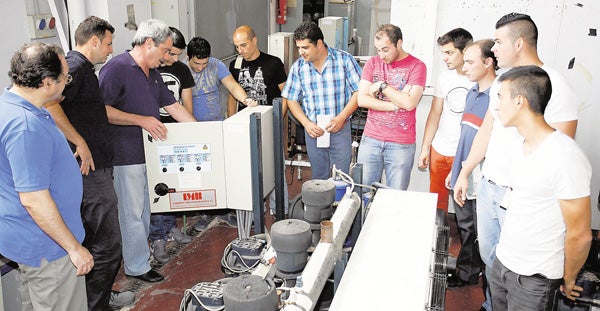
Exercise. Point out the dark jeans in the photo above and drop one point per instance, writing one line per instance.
(100, 217)
(511, 291)
(160, 225)
(468, 262)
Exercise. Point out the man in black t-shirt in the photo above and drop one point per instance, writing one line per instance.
(82, 118)
(261, 75)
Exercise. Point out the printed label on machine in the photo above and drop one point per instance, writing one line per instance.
(188, 158)
(193, 199)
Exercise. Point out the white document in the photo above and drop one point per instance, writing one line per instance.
(322, 122)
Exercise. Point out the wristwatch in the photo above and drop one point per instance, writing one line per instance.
(382, 86)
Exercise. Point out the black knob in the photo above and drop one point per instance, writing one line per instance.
(161, 189)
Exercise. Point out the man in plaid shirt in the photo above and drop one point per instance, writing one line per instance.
(321, 94)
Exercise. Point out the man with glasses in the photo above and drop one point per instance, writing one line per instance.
(179, 81)
(81, 116)
(133, 91)
(40, 182)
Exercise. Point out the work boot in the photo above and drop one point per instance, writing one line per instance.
(179, 236)
(229, 218)
(119, 300)
(159, 250)
(203, 222)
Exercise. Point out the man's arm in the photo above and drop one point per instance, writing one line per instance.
(82, 150)
(284, 106)
(567, 127)
(311, 128)
(237, 91)
(338, 121)
(476, 155)
(43, 210)
(367, 99)
(231, 105)
(149, 123)
(431, 126)
(186, 99)
(577, 216)
(179, 113)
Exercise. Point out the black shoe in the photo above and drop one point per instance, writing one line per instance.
(150, 276)
(455, 281)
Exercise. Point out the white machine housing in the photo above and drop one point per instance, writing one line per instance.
(207, 165)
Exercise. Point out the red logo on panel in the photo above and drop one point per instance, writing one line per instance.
(192, 196)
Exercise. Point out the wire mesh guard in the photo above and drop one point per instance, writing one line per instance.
(438, 272)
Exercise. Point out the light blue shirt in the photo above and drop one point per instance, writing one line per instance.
(207, 92)
(326, 92)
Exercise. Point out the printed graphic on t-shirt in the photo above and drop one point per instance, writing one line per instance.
(174, 85)
(255, 87)
(455, 99)
(396, 78)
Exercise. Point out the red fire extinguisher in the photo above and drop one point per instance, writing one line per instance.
(281, 11)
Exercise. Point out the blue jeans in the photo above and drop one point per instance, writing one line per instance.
(160, 225)
(396, 159)
(490, 218)
(134, 216)
(512, 291)
(338, 153)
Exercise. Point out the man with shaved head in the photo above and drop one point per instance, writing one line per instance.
(261, 75)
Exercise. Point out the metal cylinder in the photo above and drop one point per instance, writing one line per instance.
(291, 238)
(318, 195)
(250, 293)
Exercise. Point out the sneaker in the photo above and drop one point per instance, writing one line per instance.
(179, 236)
(203, 222)
(159, 250)
(119, 300)
(230, 219)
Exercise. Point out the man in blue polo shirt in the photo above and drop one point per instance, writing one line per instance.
(133, 91)
(325, 80)
(40, 185)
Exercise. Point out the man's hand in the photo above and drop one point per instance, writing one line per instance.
(85, 155)
(248, 101)
(374, 88)
(335, 125)
(423, 161)
(82, 260)
(448, 179)
(570, 290)
(460, 190)
(154, 127)
(313, 130)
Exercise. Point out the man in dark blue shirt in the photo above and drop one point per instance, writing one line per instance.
(81, 116)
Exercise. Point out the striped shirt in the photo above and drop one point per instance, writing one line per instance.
(326, 92)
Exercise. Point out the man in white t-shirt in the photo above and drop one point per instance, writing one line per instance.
(442, 129)
(515, 45)
(546, 235)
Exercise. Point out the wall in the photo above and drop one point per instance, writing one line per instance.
(229, 14)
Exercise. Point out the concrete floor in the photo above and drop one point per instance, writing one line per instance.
(201, 261)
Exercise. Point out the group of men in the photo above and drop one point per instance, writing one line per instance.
(61, 213)
(531, 202)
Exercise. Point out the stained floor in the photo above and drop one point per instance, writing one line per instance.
(200, 261)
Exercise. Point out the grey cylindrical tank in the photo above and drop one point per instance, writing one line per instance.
(318, 195)
(291, 238)
(250, 293)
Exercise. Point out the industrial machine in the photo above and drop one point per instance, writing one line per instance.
(207, 165)
(371, 276)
